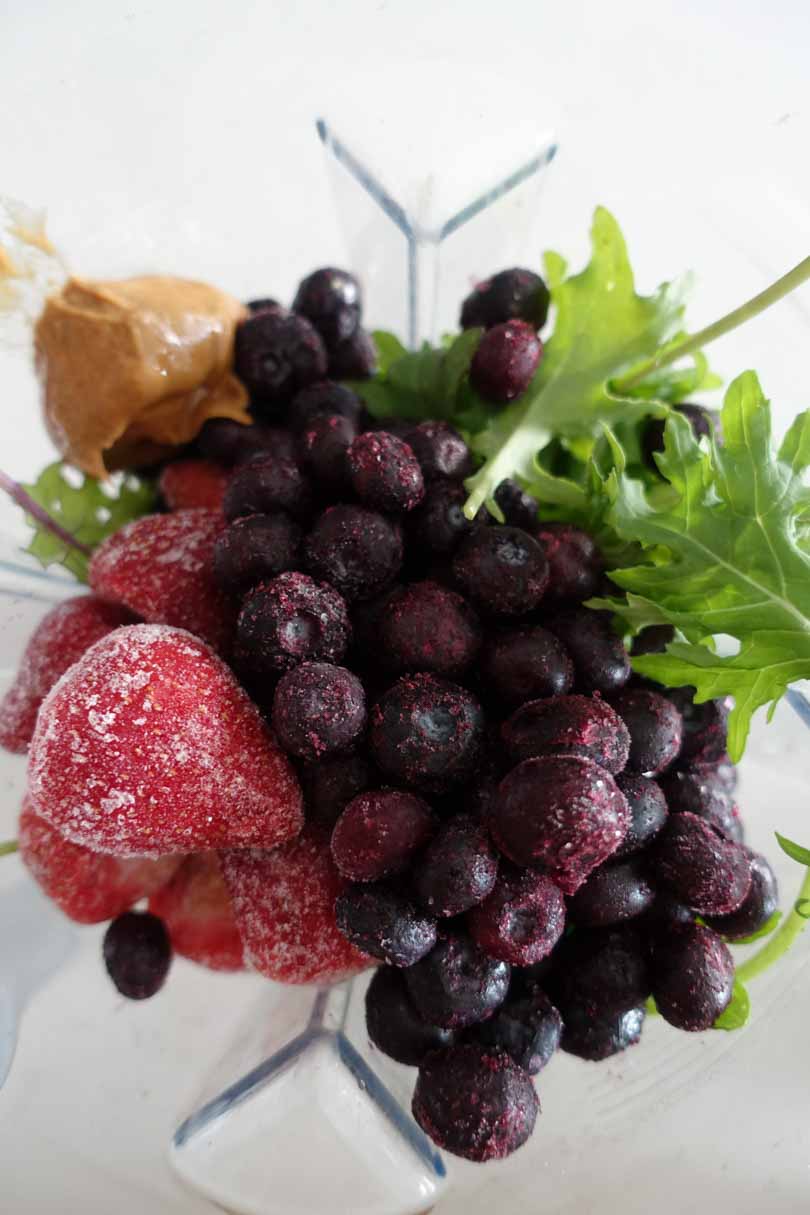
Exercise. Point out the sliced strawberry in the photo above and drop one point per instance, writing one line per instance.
(148, 745)
(160, 567)
(88, 886)
(186, 484)
(196, 908)
(60, 638)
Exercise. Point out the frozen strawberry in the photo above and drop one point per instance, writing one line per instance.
(285, 908)
(88, 886)
(148, 745)
(196, 908)
(161, 567)
(60, 638)
(189, 483)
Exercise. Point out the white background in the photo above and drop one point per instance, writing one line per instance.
(178, 137)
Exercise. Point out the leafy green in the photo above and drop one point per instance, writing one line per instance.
(738, 1011)
(602, 327)
(425, 383)
(795, 851)
(87, 509)
(726, 554)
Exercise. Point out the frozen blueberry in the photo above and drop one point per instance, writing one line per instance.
(708, 872)
(519, 508)
(573, 560)
(381, 922)
(667, 915)
(760, 903)
(505, 361)
(698, 790)
(653, 640)
(323, 448)
(703, 423)
(276, 354)
(384, 472)
(648, 812)
(502, 570)
(290, 620)
(378, 833)
(612, 894)
(704, 727)
(330, 785)
(525, 664)
(426, 627)
(561, 813)
(514, 294)
(229, 443)
(521, 920)
(440, 450)
(394, 1025)
(600, 659)
(439, 524)
(692, 977)
(355, 358)
(325, 398)
(357, 550)
(598, 1037)
(568, 725)
(655, 726)
(457, 869)
(331, 300)
(457, 984)
(264, 304)
(318, 710)
(254, 549)
(137, 954)
(427, 732)
(528, 1027)
(267, 484)
(604, 971)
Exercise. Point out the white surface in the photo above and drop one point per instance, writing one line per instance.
(178, 137)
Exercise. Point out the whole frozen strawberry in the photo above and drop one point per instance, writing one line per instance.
(284, 902)
(161, 567)
(60, 638)
(87, 886)
(148, 745)
(186, 484)
(196, 908)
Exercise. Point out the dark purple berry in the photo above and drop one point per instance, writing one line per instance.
(475, 1102)
(600, 971)
(692, 977)
(394, 1025)
(254, 549)
(760, 904)
(426, 627)
(724, 770)
(519, 665)
(427, 732)
(264, 304)
(505, 361)
(597, 1038)
(528, 1027)
(440, 450)
(378, 833)
(703, 423)
(509, 295)
(137, 954)
(355, 358)
(330, 785)
(612, 894)
(318, 710)
(291, 620)
(561, 813)
(229, 443)
(502, 570)
(439, 524)
(653, 640)
(330, 299)
(384, 924)
(384, 472)
(265, 485)
(521, 920)
(667, 915)
(457, 869)
(573, 560)
(276, 354)
(704, 727)
(708, 872)
(357, 550)
(568, 725)
(324, 399)
(323, 449)
(519, 508)
(457, 984)
(655, 726)
(600, 659)
(699, 791)
(648, 812)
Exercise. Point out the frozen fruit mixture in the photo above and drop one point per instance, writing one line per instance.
(395, 661)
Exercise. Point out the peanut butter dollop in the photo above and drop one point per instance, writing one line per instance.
(130, 369)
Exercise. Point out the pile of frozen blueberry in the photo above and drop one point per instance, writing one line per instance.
(532, 841)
